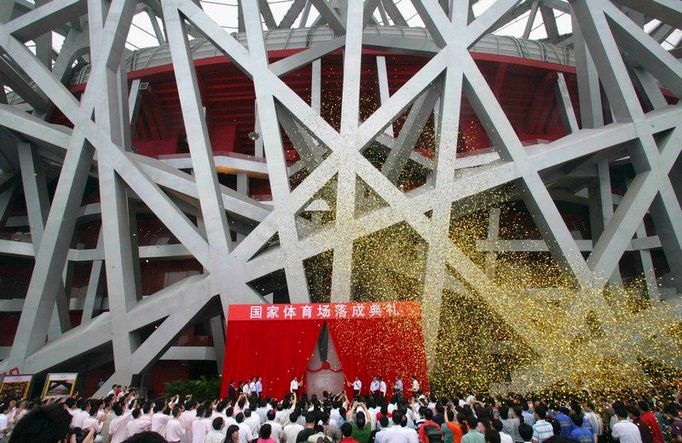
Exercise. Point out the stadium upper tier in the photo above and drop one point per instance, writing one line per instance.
(396, 38)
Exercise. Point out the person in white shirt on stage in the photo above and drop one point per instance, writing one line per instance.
(415, 387)
(174, 429)
(202, 425)
(216, 435)
(357, 387)
(246, 389)
(382, 388)
(398, 386)
(252, 386)
(374, 386)
(259, 387)
(293, 386)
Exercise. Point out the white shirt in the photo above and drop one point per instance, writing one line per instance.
(382, 387)
(411, 434)
(159, 423)
(398, 385)
(357, 385)
(276, 430)
(259, 387)
(245, 435)
(393, 434)
(174, 430)
(291, 432)
(137, 426)
(92, 422)
(3, 425)
(293, 386)
(253, 423)
(415, 385)
(262, 414)
(626, 432)
(79, 416)
(506, 438)
(246, 389)
(374, 386)
(214, 437)
(200, 428)
(186, 420)
(118, 430)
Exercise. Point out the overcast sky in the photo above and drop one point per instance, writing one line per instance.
(224, 12)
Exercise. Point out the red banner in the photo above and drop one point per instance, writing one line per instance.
(323, 311)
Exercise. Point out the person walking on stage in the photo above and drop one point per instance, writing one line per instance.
(293, 386)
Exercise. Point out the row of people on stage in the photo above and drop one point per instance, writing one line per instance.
(253, 386)
(378, 387)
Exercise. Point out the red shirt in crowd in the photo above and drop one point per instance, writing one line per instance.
(649, 418)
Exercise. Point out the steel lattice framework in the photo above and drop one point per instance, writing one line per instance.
(611, 50)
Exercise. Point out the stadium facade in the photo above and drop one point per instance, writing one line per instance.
(143, 192)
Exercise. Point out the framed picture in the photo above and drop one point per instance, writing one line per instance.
(15, 386)
(59, 385)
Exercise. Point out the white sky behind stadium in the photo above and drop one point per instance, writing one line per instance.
(224, 12)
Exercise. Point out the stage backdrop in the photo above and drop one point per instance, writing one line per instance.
(276, 342)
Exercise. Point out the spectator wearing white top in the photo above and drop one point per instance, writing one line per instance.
(245, 435)
(92, 422)
(118, 426)
(160, 420)
(504, 437)
(202, 425)
(216, 435)
(174, 429)
(81, 414)
(397, 434)
(276, 433)
(186, 418)
(252, 421)
(138, 424)
(4, 421)
(624, 430)
(292, 429)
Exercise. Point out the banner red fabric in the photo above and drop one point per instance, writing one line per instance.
(387, 348)
(371, 339)
(276, 351)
